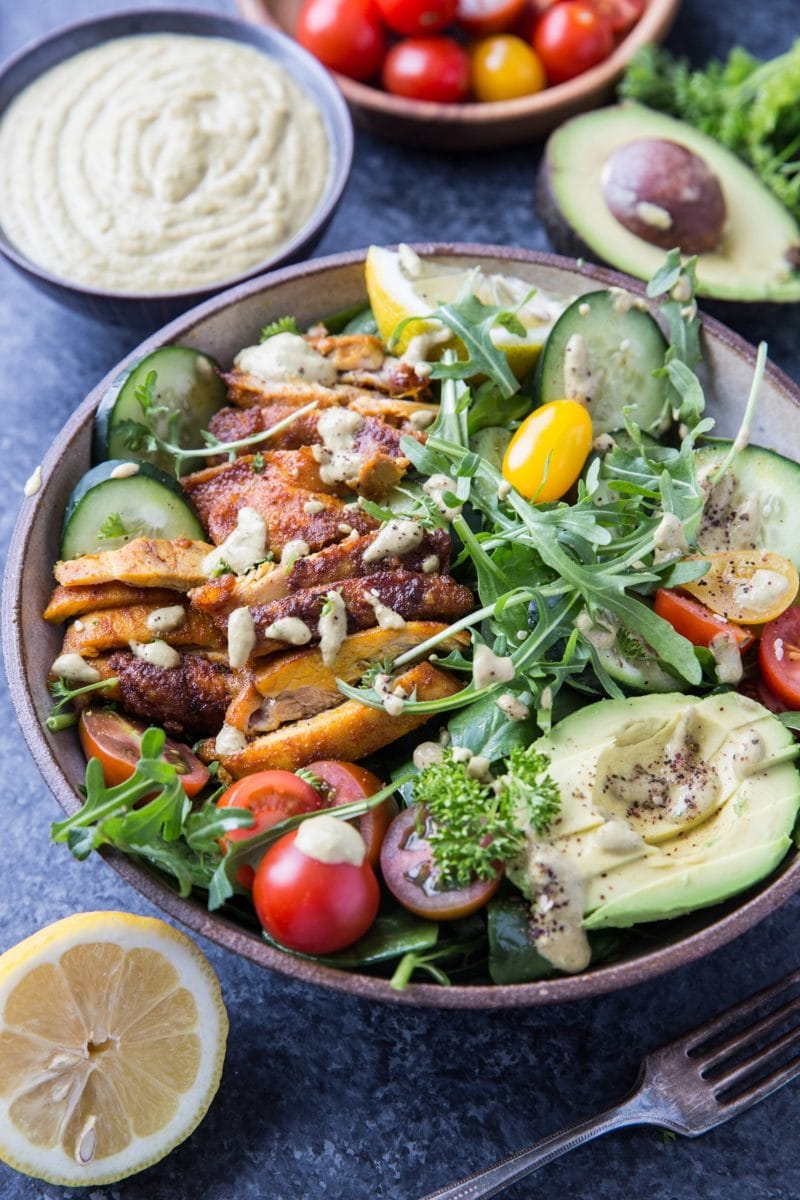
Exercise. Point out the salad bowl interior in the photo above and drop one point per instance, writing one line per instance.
(220, 327)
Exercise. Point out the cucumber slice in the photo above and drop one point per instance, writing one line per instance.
(755, 505)
(624, 347)
(103, 513)
(189, 388)
(629, 660)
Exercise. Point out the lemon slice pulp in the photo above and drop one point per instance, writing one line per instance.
(400, 285)
(112, 1039)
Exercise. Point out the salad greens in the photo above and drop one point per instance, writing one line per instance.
(749, 105)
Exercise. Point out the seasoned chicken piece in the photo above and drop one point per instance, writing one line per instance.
(349, 351)
(281, 493)
(232, 424)
(116, 627)
(144, 562)
(350, 731)
(345, 560)
(411, 595)
(67, 602)
(298, 684)
(188, 700)
(393, 378)
(415, 414)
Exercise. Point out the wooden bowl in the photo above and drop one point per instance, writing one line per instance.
(478, 126)
(220, 327)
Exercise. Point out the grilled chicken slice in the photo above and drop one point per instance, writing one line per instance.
(117, 627)
(348, 351)
(345, 560)
(298, 684)
(395, 411)
(410, 594)
(290, 481)
(375, 435)
(350, 731)
(187, 700)
(68, 602)
(144, 562)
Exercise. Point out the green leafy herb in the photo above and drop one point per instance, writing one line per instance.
(281, 325)
(258, 463)
(528, 791)
(115, 527)
(222, 568)
(309, 777)
(64, 693)
(381, 666)
(630, 646)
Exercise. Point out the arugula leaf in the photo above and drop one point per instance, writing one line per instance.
(64, 693)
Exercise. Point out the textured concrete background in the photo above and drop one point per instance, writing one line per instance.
(325, 1096)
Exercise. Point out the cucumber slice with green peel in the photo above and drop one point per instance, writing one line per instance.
(187, 385)
(755, 505)
(104, 512)
(612, 365)
(638, 675)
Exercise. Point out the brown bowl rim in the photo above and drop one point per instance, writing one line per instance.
(221, 930)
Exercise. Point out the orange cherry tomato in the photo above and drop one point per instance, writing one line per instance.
(116, 741)
(546, 454)
(270, 796)
(345, 782)
(694, 621)
(504, 68)
(750, 587)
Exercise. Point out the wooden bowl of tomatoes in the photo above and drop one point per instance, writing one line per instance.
(469, 74)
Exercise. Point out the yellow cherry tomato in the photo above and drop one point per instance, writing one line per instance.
(505, 67)
(546, 454)
(746, 586)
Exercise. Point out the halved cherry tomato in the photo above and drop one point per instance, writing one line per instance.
(546, 454)
(346, 782)
(428, 68)
(410, 873)
(270, 796)
(696, 622)
(504, 67)
(570, 38)
(750, 587)
(345, 35)
(311, 906)
(116, 741)
(779, 657)
(480, 18)
(417, 16)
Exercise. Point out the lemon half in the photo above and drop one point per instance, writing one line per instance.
(112, 1039)
(400, 285)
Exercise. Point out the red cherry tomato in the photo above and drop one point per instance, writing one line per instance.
(621, 15)
(428, 68)
(411, 875)
(570, 38)
(116, 741)
(345, 782)
(270, 796)
(696, 622)
(417, 16)
(311, 906)
(480, 18)
(779, 657)
(345, 35)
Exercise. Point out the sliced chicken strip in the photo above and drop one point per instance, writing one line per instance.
(232, 424)
(350, 731)
(144, 562)
(113, 628)
(67, 602)
(188, 700)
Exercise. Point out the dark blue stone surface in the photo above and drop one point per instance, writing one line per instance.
(324, 1096)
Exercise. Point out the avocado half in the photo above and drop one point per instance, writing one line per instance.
(756, 255)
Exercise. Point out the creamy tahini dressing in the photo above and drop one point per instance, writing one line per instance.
(332, 627)
(286, 358)
(241, 636)
(396, 538)
(157, 654)
(329, 840)
(159, 162)
(338, 457)
(244, 546)
(75, 668)
(386, 617)
(165, 620)
(289, 629)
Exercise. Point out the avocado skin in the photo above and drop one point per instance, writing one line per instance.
(566, 239)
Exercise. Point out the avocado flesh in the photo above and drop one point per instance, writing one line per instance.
(750, 264)
(661, 862)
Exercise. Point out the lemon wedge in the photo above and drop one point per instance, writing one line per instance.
(400, 285)
(112, 1039)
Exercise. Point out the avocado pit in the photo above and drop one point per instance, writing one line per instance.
(664, 193)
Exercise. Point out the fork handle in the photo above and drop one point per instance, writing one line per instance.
(497, 1178)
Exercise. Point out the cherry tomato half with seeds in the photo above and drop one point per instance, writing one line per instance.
(116, 741)
(697, 623)
(410, 873)
(504, 68)
(311, 906)
(428, 68)
(411, 17)
(750, 587)
(546, 454)
(779, 657)
(345, 782)
(270, 796)
(570, 38)
(480, 18)
(345, 35)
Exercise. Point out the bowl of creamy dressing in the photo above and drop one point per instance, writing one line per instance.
(150, 159)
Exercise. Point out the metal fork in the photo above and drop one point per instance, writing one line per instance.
(689, 1086)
